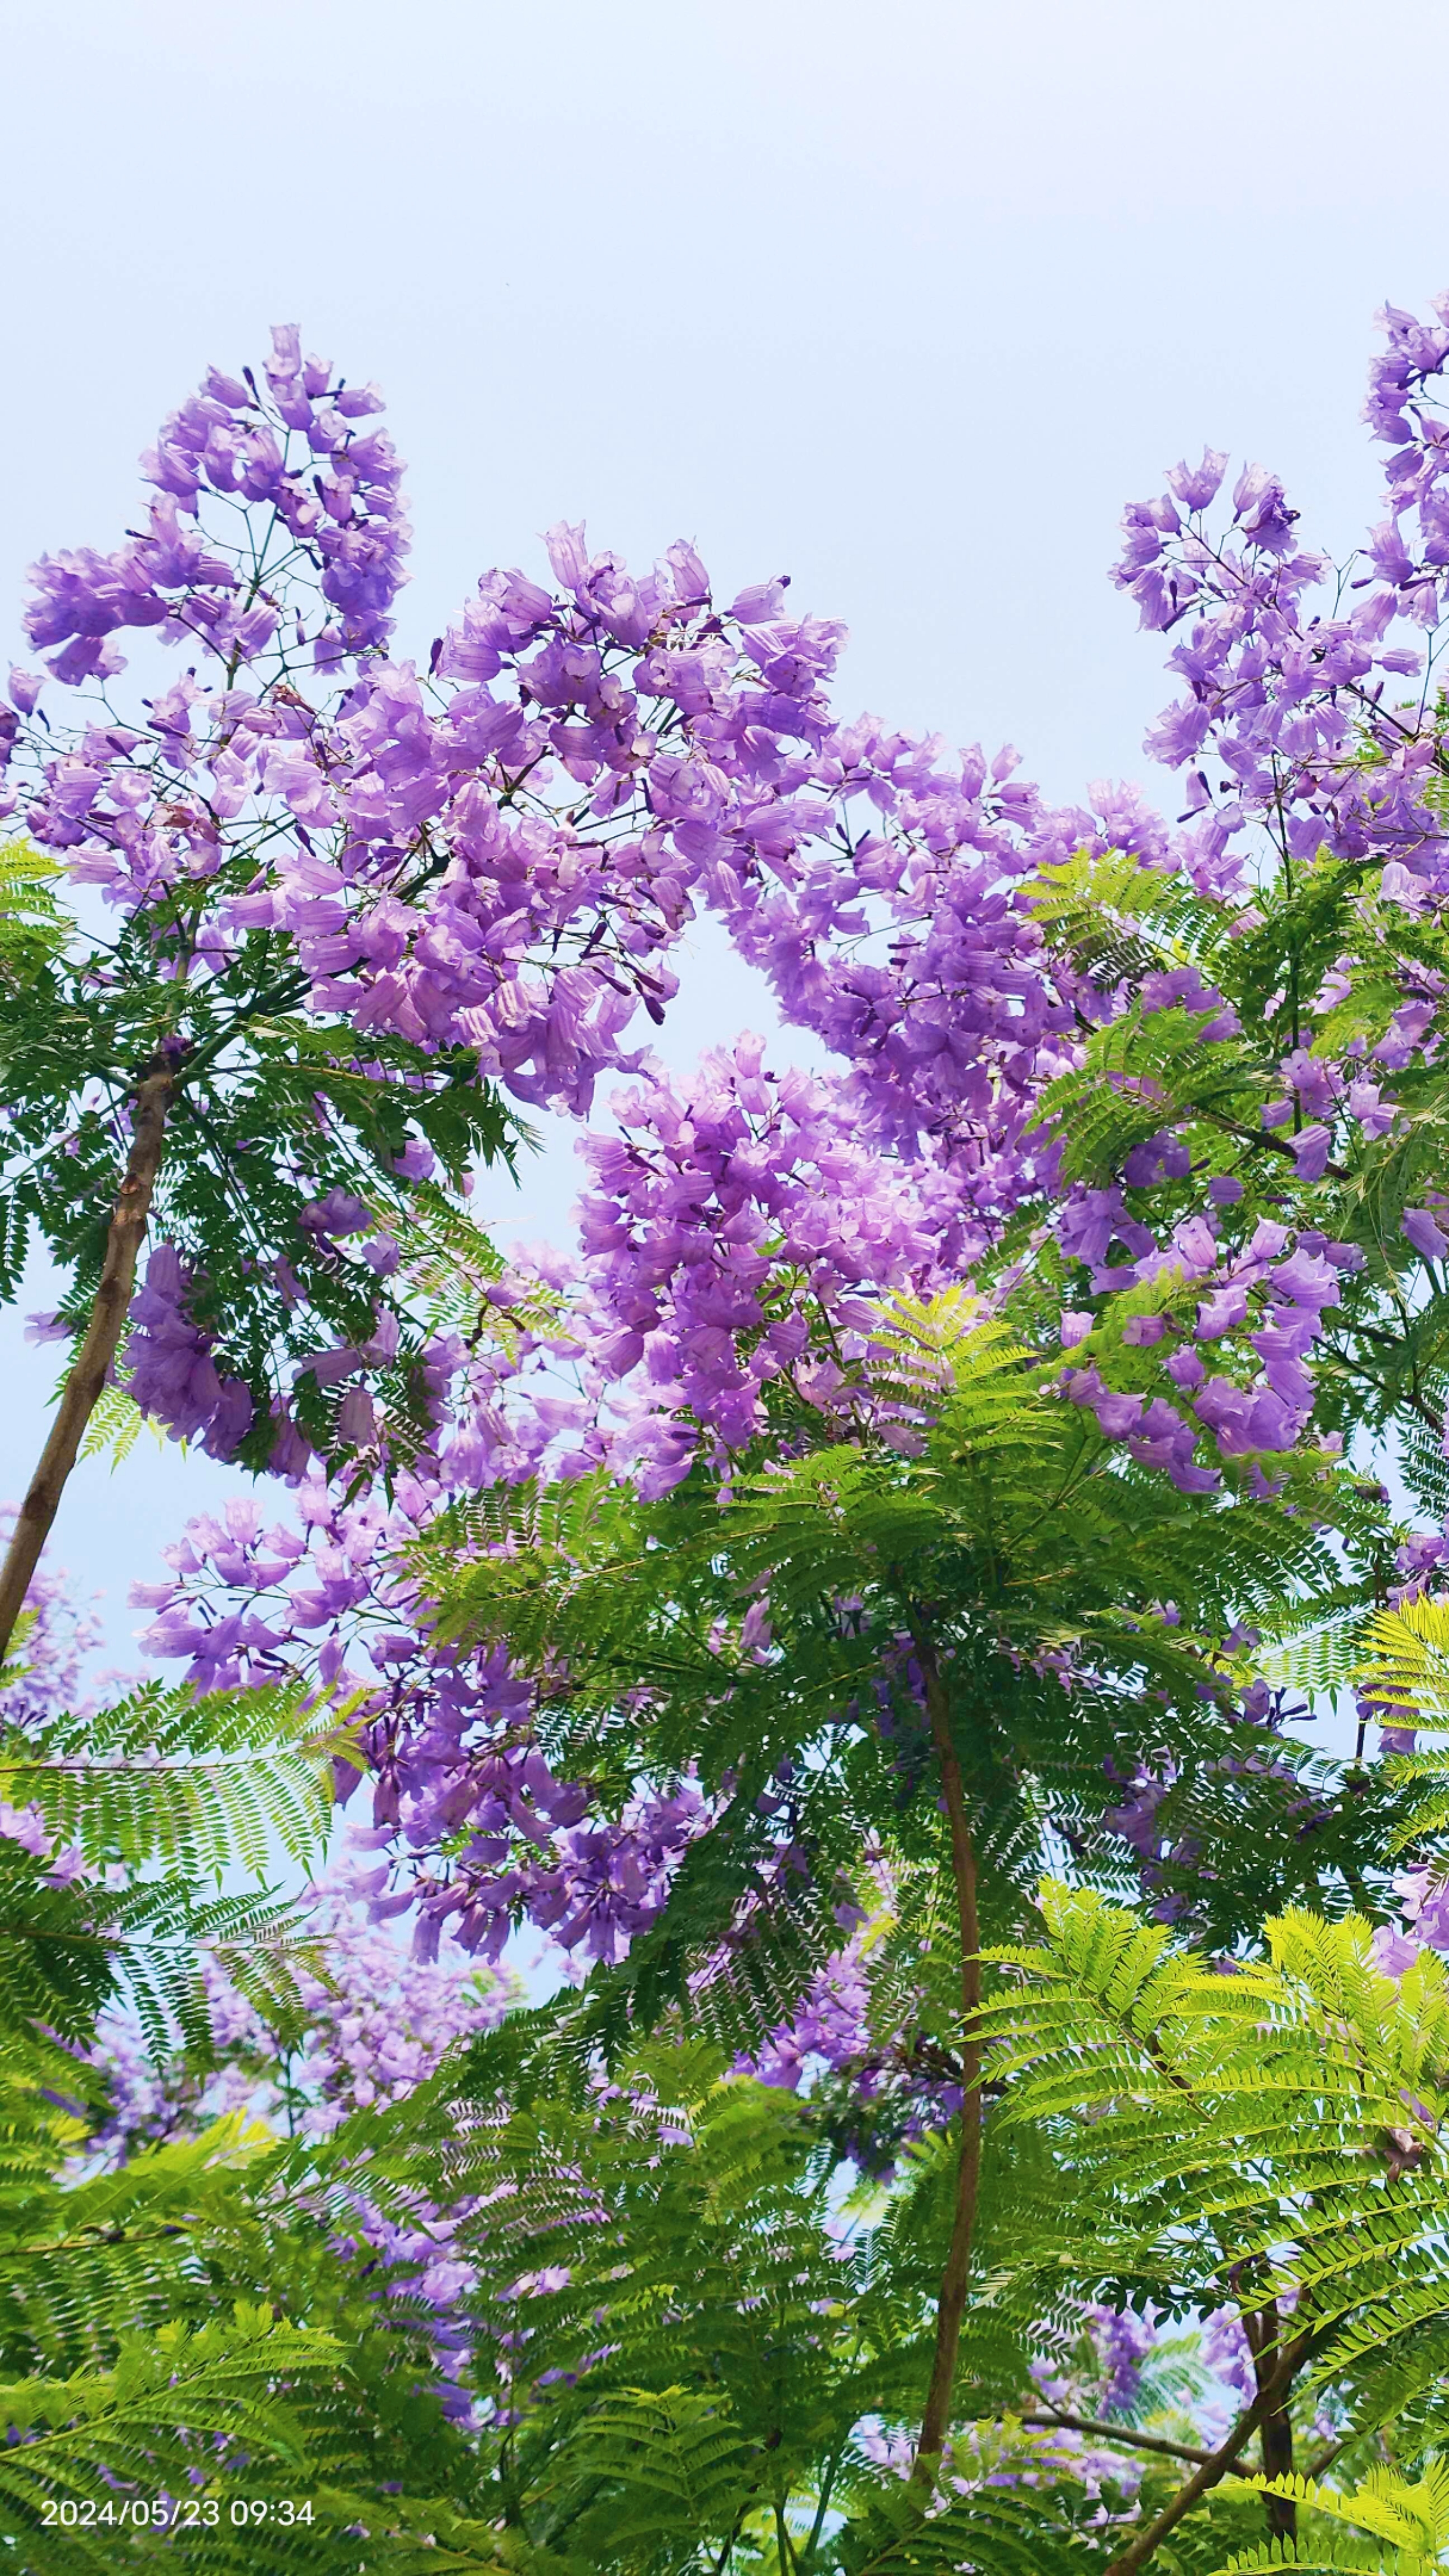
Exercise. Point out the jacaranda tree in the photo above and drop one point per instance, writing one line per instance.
(864, 1607)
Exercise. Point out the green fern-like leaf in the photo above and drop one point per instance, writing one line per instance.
(1408, 2521)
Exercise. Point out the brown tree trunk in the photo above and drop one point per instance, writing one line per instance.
(92, 1362)
(1276, 2438)
(951, 2306)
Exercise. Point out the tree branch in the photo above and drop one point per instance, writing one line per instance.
(1269, 2400)
(91, 1365)
(1119, 2433)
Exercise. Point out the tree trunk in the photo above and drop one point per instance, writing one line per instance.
(951, 2305)
(1276, 2438)
(92, 1362)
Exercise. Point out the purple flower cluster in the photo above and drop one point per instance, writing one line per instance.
(832, 2028)
(52, 1654)
(375, 2027)
(1302, 743)
(984, 2456)
(736, 1231)
(1123, 2342)
(1227, 2354)
(1118, 2342)
(168, 1365)
(1424, 1895)
(1136, 1818)
(1280, 691)
(857, 2040)
(292, 457)
(476, 1829)
(48, 1662)
(1259, 1300)
(1108, 2374)
(506, 850)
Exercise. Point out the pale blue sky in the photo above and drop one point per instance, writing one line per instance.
(902, 299)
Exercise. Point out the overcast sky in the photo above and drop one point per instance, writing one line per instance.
(902, 299)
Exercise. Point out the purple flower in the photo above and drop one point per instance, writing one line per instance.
(340, 1213)
(1185, 1369)
(1246, 1418)
(46, 1327)
(169, 1370)
(1421, 1231)
(1308, 1279)
(1310, 1151)
(1196, 486)
(356, 1417)
(1394, 1952)
(1222, 1312)
(1261, 511)
(1426, 1907)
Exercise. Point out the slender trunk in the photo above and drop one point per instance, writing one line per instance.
(822, 2507)
(1276, 2438)
(951, 2305)
(1277, 2441)
(92, 1362)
